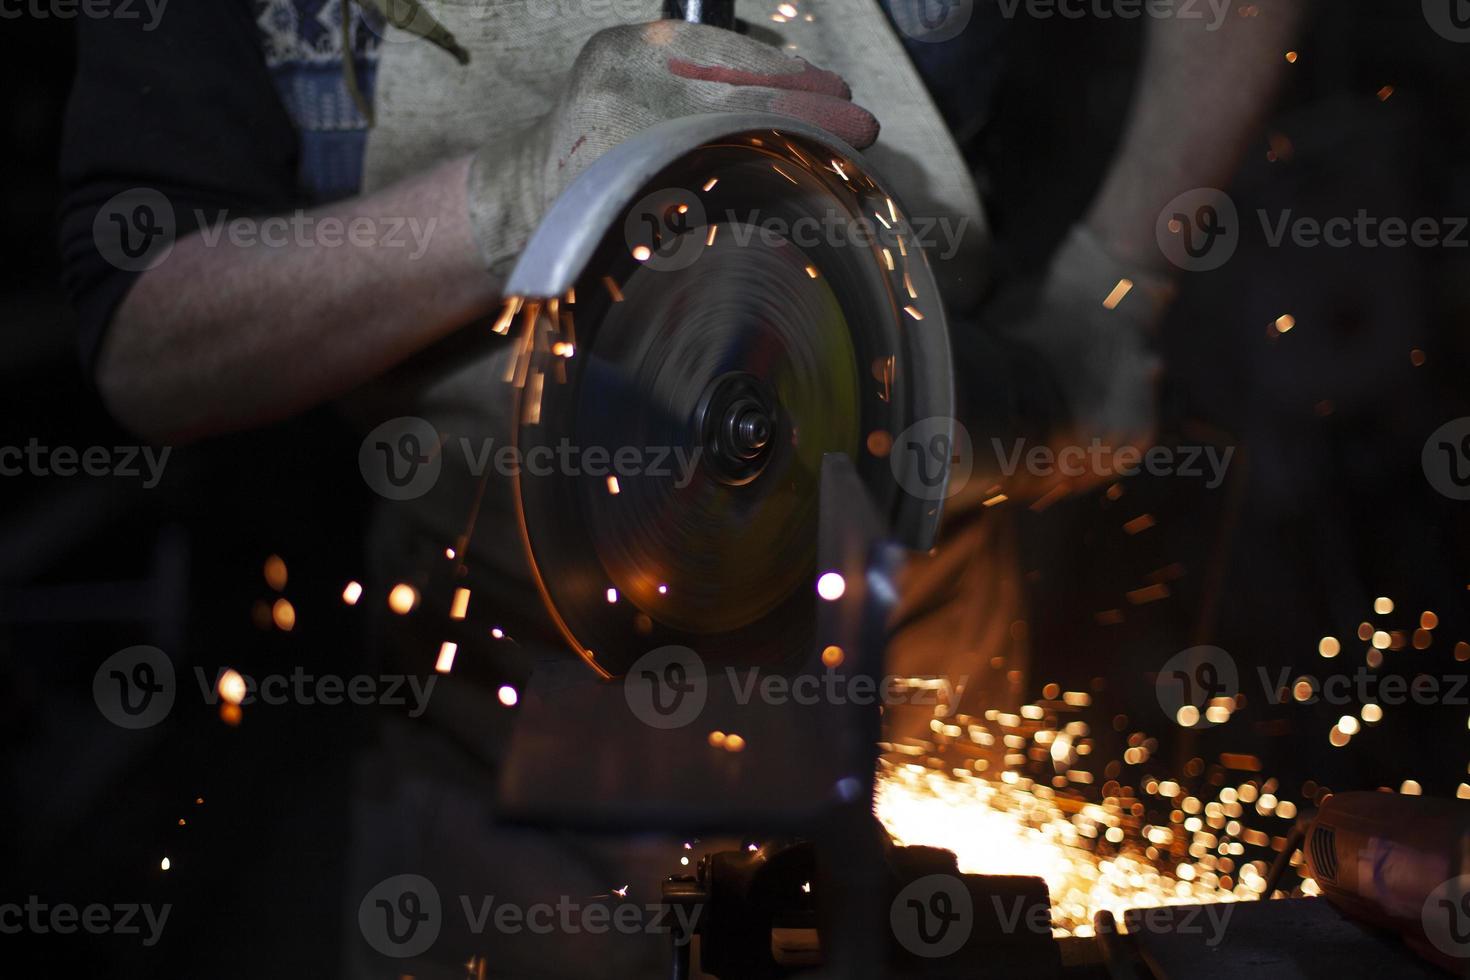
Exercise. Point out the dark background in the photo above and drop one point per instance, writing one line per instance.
(1326, 506)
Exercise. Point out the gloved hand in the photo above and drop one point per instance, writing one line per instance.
(1101, 359)
(625, 80)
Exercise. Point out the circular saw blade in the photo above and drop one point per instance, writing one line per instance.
(746, 317)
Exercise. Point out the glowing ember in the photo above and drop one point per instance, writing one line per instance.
(352, 593)
(445, 663)
(231, 686)
(831, 586)
(403, 598)
(283, 614)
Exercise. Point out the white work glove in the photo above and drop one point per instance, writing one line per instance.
(625, 80)
(1100, 353)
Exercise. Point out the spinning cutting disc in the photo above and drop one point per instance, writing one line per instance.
(761, 303)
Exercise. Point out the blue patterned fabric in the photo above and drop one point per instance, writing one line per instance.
(303, 45)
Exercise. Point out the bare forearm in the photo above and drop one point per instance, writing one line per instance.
(230, 332)
(1202, 96)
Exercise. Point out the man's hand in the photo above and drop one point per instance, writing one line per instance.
(627, 79)
(1094, 326)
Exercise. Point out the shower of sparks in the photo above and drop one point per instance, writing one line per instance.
(1013, 827)
(1011, 793)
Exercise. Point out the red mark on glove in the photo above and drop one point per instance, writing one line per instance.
(808, 77)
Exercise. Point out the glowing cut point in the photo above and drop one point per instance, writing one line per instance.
(831, 586)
